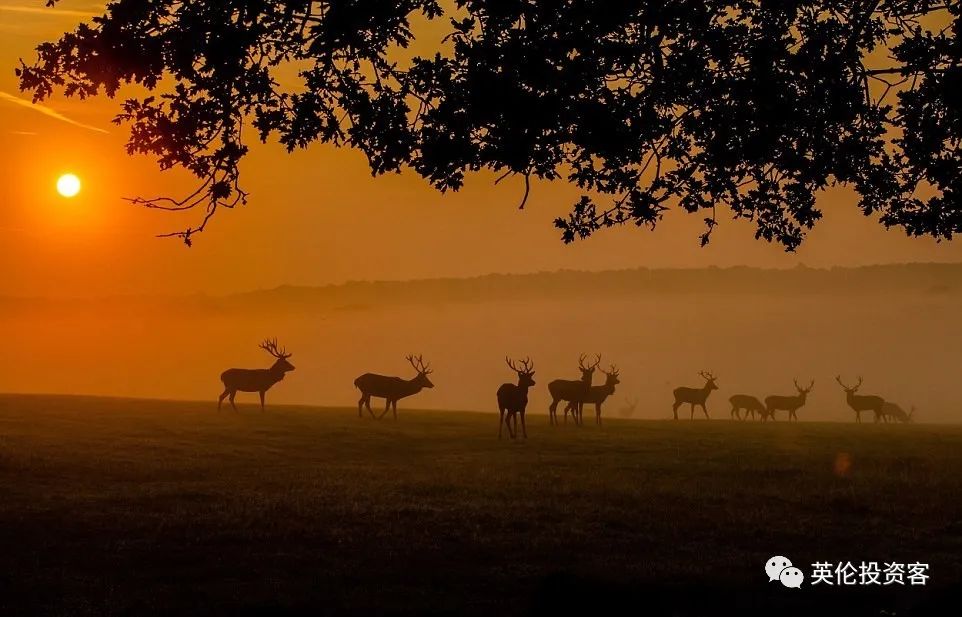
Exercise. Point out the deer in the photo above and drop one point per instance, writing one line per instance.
(694, 396)
(258, 380)
(893, 411)
(791, 404)
(391, 389)
(749, 403)
(859, 402)
(569, 390)
(596, 395)
(513, 398)
(628, 409)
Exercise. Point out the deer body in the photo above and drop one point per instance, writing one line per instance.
(570, 390)
(255, 380)
(513, 399)
(391, 389)
(750, 404)
(791, 404)
(596, 395)
(860, 402)
(694, 396)
(893, 411)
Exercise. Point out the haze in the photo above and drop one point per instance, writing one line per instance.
(317, 218)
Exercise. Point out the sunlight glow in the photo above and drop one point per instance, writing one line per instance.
(68, 185)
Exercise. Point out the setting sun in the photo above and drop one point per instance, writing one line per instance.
(68, 185)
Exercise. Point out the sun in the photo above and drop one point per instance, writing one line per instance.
(68, 185)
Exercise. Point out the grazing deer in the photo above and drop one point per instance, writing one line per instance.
(791, 404)
(257, 380)
(749, 403)
(628, 410)
(513, 398)
(694, 396)
(571, 391)
(859, 402)
(896, 413)
(596, 395)
(391, 389)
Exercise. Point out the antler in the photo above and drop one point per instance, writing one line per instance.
(801, 389)
(419, 365)
(707, 375)
(527, 366)
(612, 371)
(838, 378)
(581, 362)
(270, 346)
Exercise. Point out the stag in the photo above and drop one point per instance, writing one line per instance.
(749, 403)
(391, 389)
(571, 391)
(257, 380)
(596, 395)
(694, 396)
(860, 402)
(628, 409)
(513, 398)
(896, 413)
(791, 404)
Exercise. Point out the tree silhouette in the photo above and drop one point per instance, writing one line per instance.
(749, 105)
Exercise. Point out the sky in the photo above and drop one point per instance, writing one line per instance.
(317, 216)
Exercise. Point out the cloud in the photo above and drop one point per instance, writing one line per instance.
(51, 12)
(50, 113)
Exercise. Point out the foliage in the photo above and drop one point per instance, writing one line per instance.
(752, 105)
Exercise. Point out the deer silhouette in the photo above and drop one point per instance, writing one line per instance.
(569, 390)
(596, 395)
(896, 413)
(391, 389)
(258, 380)
(694, 396)
(860, 402)
(791, 404)
(628, 409)
(749, 403)
(513, 398)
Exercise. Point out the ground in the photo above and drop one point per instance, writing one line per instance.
(132, 507)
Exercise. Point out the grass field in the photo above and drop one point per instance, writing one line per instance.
(132, 507)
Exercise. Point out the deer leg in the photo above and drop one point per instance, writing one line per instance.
(705, 411)
(360, 407)
(500, 421)
(387, 408)
(367, 403)
(507, 424)
(232, 395)
(394, 410)
(674, 408)
(515, 416)
(262, 399)
(524, 429)
(553, 412)
(598, 414)
(222, 397)
(692, 412)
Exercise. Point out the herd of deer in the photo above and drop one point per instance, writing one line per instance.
(513, 397)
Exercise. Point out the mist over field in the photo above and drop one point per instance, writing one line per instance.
(896, 326)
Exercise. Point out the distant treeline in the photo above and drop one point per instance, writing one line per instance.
(912, 279)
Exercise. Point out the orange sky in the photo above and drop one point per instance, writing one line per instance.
(317, 216)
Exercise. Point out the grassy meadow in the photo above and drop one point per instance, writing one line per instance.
(137, 507)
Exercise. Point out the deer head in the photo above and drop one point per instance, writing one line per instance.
(282, 365)
(611, 376)
(803, 391)
(525, 373)
(849, 389)
(587, 370)
(709, 380)
(423, 370)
